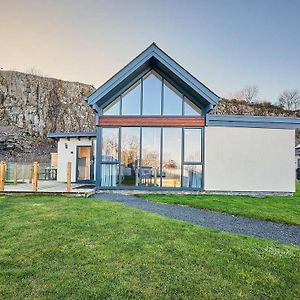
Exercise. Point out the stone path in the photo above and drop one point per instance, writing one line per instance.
(281, 233)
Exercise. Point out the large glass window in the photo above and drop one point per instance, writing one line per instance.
(131, 100)
(166, 157)
(152, 95)
(192, 145)
(152, 89)
(130, 154)
(172, 100)
(150, 165)
(110, 143)
(171, 158)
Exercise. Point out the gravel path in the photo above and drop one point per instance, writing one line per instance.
(281, 233)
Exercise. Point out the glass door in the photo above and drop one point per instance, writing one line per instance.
(84, 163)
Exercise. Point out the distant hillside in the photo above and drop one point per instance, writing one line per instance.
(31, 106)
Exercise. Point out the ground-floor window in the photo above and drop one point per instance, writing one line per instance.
(168, 157)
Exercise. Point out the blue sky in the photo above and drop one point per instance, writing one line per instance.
(226, 44)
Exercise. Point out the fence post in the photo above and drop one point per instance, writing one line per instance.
(69, 177)
(30, 173)
(35, 176)
(2, 176)
(23, 172)
(15, 173)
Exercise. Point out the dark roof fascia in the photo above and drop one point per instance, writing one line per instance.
(57, 135)
(153, 52)
(252, 121)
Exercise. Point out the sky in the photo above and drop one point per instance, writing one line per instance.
(226, 44)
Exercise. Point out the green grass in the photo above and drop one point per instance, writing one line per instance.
(77, 248)
(282, 209)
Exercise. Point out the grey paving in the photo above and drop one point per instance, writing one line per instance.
(281, 233)
(51, 186)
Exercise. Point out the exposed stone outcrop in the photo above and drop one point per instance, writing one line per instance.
(240, 107)
(32, 106)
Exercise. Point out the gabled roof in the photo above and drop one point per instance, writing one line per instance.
(153, 57)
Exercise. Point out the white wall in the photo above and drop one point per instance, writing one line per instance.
(65, 155)
(249, 159)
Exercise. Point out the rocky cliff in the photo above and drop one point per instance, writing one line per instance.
(240, 107)
(31, 106)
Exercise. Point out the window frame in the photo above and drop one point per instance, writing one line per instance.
(139, 187)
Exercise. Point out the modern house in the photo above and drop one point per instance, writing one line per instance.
(153, 131)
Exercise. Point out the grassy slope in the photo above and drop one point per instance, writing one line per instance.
(76, 248)
(273, 208)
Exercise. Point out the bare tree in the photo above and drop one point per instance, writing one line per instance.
(35, 71)
(289, 99)
(249, 93)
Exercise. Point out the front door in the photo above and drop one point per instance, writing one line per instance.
(84, 164)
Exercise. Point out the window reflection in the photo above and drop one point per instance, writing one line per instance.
(192, 145)
(152, 89)
(130, 149)
(109, 175)
(172, 100)
(129, 171)
(171, 157)
(192, 176)
(131, 100)
(110, 142)
(150, 165)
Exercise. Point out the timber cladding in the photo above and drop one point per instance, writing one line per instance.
(152, 121)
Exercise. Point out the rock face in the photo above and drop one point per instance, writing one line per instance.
(240, 107)
(32, 106)
(41, 105)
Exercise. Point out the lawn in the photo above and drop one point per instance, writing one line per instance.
(77, 248)
(282, 209)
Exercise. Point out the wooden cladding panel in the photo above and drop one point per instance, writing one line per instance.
(152, 121)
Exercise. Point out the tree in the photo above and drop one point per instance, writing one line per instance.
(289, 99)
(249, 93)
(35, 71)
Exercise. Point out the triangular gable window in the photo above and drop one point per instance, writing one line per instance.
(152, 95)
(190, 109)
(113, 109)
